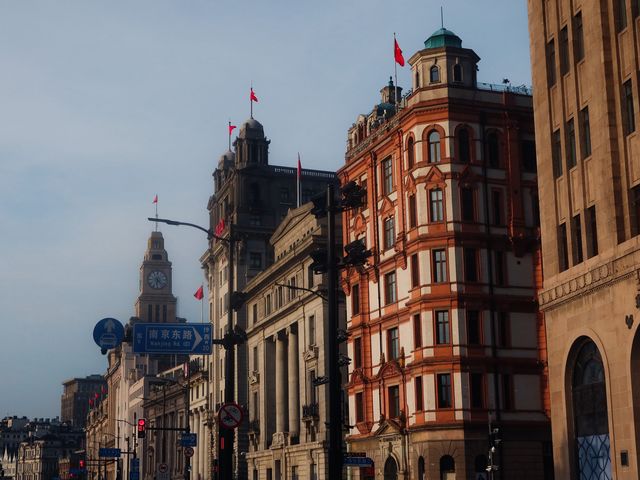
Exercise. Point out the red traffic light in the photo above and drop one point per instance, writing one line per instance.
(81, 464)
(142, 424)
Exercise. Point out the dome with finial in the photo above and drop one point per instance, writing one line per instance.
(443, 38)
(251, 129)
(227, 159)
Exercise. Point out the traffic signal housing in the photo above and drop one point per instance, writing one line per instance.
(142, 427)
(357, 253)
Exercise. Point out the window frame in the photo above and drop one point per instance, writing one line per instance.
(387, 176)
(443, 391)
(442, 327)
(434, 146)
(390, 288)
(439, 273)
(436, 205)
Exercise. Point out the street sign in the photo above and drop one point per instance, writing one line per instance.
(357, 461)
(134, 469)
(189, 440)
(188, 452)
(109, 452)
(108, 333)
(230, 415)
(172, 338)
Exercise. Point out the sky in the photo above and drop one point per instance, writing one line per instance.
(103, 105)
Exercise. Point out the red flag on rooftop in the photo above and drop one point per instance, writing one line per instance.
(397, 53)
(155, 199)
(253, 96)
(199, 293)
(231, 127)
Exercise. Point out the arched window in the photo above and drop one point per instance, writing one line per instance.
(493, 150)
(410, 153)
(590, 416)
(390, 469)
(447, 467)
(457, 72)
(464, 151)
(434, 147)
(421, 469)
(417, 79)
(434, 74)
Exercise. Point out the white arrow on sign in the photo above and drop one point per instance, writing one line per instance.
(198, 339)
(109, 326)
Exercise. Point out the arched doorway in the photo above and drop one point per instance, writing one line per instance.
(390, 469)
(421, 468)
(447, 468)
(590, 416)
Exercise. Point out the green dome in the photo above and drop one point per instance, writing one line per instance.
(443, 38)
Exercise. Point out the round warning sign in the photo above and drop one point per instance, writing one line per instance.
(230, 415)
(163, 468)
(188, 452)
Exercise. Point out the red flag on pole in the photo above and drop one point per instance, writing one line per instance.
(397, 53)
(155, 199)
(231, 127)
(253, 96)
(199, 293)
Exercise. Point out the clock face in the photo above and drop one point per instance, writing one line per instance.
(157, 279)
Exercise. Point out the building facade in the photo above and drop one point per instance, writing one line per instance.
(445, 337)
(74, 404)
(585, 61)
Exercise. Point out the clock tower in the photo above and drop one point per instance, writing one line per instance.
(156, 303)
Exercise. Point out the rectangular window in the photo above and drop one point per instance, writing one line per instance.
(394, 401)
(498, 267)
(496, 206)
(571, 144)
(436, 205)
(389, 233)
(470, 265)
(578, 37)
(564, 51)
(254, 313)
(312, 387)
(413, 214)
(256, 406)
(477, 390)
(474, 333)
(387, 176)
(267, 304)
(355, 299)
(390, 288)
(393, 343)
(504, 335)
(592, 232)
(255, 260)
(577, 239)
(312, 329)
(439, 266)
(359, 407)
(415, 271)
(357, 352)
(621, 14)
(629, 114)
(467, 204)
(444, 390)
(507, 392)
(635, 209)
(256, 366)
(417, 331)
(551, 64)
(563, 251)
(585, 133)
(310, 275)
(556, 154)
(529, 156)
(419, 394)
(442, 327)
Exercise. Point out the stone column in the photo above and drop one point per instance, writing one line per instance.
(294, 379)
(281, 384)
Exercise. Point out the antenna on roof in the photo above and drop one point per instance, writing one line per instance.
(441, 17)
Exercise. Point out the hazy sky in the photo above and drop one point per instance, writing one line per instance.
(105, 104)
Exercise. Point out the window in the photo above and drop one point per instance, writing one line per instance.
(556, 154)
(470, 265)
(359, 407)
(254, 313)
(390, 288)
(467, 204)
(496, 206)
(393, 343)
(267, 304)
(578, 37)
(621, 14)
(477, 390)
(419, 394)
(464, 152)
(529, 156)
(389, 233)
(503, 332)
(357, 352)
(310, 275)
(255, 260)
(417, 331)
(439, 266)
(284, 194)
(551, 64)
(474, 333)
(564, 51)
(312, 329)
(434, 147)
(457, 72)
(629, 115)
(355, 299)
(436, 205)
(394, 401)
(444, 390)
(413, 214)
(442, 327)
(415, 271)
(312, 388)
(563, 254)
(571, 145)
(410, 153)
(498, 267)
(434, 74)
(592, 232)
(387, 176)
(507, 392)
(493, 150)
(577, 239)
(256, 366)
(585, 133)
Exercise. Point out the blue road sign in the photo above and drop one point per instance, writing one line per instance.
(134, 465)
(109, 452)
(189, 440)
(357, 461)
(172, 338)
(108, 333)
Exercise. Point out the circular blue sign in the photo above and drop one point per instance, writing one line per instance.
(108, 333)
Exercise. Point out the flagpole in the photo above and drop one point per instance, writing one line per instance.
(202, 303)
(395, 71)
(251, 100)
(156, 202)
(229, 134)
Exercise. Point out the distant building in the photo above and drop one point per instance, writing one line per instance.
(75, 398)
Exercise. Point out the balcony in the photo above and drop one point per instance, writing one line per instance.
(310, 412)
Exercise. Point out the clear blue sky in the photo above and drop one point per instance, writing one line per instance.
(105, 104)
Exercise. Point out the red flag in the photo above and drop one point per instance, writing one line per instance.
(253, 96)
(219, 227)
(231, 127)
(199, 293)
(155, 199)
(397, 53)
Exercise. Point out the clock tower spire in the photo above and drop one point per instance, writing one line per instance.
(156, 302)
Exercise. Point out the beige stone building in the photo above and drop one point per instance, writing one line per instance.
(585, 77)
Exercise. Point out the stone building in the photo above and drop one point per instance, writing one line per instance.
(445, 336)
(585, 58)
(255, 197)
(74, 404)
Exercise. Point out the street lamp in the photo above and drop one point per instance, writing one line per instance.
(229, 341)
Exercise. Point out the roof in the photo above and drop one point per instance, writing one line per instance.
(443, 38)
(251, 129)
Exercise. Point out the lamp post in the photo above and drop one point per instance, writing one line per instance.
(229, 341)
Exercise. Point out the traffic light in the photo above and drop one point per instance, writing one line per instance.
(494, 438)
(357, 253)
(319, 209)
(142, 427)
(237, 300)
(353, 195)
(319, 257)
(81, 464)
